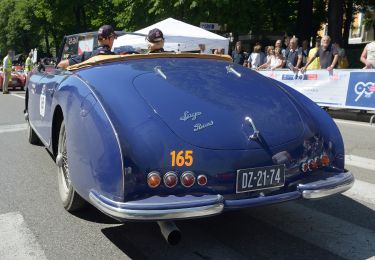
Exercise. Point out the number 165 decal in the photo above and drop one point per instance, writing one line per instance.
(182, 158)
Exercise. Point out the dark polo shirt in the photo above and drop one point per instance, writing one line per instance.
(238, 57)
(292, 56)
(326, 56)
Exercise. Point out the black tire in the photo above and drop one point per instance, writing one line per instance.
(31, 135)
(70, 199)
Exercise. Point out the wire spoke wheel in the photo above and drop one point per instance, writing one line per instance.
(69, 197)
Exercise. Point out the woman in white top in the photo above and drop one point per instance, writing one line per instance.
(274, 59)
(254, 59)
(368, 56)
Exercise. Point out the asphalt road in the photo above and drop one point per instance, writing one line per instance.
(34, 225)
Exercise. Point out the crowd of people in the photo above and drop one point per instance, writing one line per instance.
(293, 55)
(288, 54)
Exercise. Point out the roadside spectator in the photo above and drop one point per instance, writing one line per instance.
(293, 55)
(286, 44)
(280, 61)
(270, 51)
(279, 44)
(254, 60)
(7, 70)
(305, 52)
(238, 55)
(343, 62)
(29, 64)
(327, 53)
(316, 63)
(202, 48)
(274, 61)
(263, 57)
(368, 56)
(219, 51)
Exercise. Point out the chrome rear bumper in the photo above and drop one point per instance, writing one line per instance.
(173, 208)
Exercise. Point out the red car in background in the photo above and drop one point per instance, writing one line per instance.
(18, 79)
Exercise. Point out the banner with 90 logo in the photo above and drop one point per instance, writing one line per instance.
(361, 90)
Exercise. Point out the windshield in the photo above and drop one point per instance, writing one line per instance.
(79, 43)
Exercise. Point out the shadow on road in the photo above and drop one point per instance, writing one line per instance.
(236, 235)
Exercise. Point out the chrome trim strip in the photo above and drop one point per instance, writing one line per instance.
(316, 194)
(230, 69)
(167, 214)
(113, 128)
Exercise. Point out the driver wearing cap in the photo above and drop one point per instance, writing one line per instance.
(156, 41)
(106, 37)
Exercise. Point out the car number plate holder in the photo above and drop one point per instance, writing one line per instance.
(260, 178)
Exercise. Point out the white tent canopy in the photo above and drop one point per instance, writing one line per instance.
(179, 36)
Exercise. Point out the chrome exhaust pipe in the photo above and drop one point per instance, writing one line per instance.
(170, 232)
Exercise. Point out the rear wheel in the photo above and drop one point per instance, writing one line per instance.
(69, 197)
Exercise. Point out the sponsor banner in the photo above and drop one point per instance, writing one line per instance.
(341, 88)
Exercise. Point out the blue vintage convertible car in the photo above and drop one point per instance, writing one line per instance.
(161, 137)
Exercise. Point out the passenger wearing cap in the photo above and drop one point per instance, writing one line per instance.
(156, 41)
(106, 37)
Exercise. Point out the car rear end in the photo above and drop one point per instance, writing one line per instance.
(202, 136)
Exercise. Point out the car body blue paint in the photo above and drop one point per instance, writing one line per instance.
(123, 120)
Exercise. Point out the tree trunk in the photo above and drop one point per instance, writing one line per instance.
(55, 40)
(272, 14)
(304, 20)
(348, 21)
(77, 12)
(46, 35)
(335, 20)
(84, 19)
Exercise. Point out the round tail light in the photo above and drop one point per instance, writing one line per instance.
(187, 179)
(202, 180)
(312, 165)
(304, 167)
(170, 179)
(325, 160)
(153, 179)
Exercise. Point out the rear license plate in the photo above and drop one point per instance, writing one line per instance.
(260, 178)
(14, 82)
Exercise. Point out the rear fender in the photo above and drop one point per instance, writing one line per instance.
(94, 152)
(320, 118)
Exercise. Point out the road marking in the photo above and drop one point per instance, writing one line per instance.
(337, 236)
(16, 95)
(347, 122)
(360, 162)
(12, 128)
(17, 241)
(362, 191)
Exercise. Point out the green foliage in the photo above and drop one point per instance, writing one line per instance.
(26, 24)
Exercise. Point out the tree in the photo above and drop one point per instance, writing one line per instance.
(304, 19)
(335, 20)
